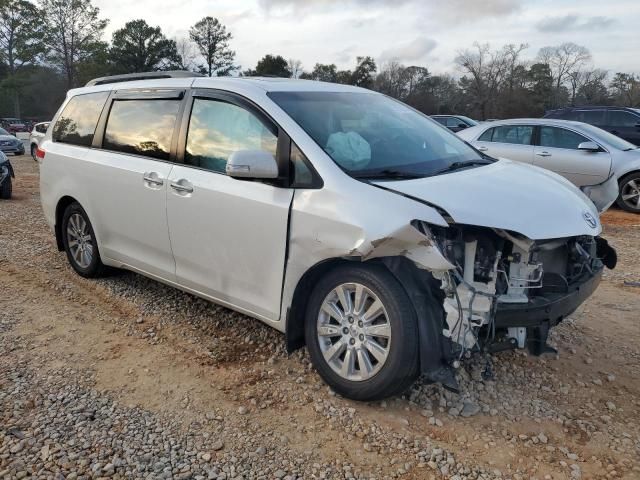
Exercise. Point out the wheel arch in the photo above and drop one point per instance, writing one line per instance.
(61, 206)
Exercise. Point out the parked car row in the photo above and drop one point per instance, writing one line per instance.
(9, 143)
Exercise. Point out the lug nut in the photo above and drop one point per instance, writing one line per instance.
(345, 330)
(361, 337)
(352, 341)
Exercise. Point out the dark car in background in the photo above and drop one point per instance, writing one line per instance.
(455, 123)
(621, 121)
(13, 125)
(6, 174)
(9, 143)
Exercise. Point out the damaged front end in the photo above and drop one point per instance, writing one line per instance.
(506, 291)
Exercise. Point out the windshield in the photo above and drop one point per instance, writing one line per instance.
(4, 132)
(469, 121)
(370, 135)
(609, 138)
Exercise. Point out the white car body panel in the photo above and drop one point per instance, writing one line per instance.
(176, 238)
(541, 195)
(596, 173)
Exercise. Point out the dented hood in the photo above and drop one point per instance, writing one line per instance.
(507, 195)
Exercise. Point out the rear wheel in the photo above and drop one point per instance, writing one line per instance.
(80, 242)
(34, 147)
(361, 332)
(629, 198)
(6, 189)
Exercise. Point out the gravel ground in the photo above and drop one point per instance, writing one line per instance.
(127, 378)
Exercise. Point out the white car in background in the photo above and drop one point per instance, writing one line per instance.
(604, 166)
(37, 134)
(341, 217)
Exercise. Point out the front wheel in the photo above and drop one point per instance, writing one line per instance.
(629, 198)
(361, 332)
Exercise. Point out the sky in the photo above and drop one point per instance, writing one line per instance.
(414, 32)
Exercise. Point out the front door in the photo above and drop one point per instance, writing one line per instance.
(557, 150)
(228, 236)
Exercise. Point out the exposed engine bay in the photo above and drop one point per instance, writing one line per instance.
(505, 288)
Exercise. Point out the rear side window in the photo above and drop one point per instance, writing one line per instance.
(516, 134)
(454, 122)
(141, 127)
(217, 129)
(441, 120)
(593, 117)
(619, 118)
(560, 138)
(77, 122)
(486, 136)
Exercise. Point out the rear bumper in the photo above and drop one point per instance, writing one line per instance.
(549, 308)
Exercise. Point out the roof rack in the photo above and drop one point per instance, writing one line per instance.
(128, 77)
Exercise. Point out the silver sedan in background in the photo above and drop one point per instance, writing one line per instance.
(605, 167)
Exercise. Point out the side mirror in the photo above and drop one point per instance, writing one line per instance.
(462, 125)
(589, 146)
(252, 164)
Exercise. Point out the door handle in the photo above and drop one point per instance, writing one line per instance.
(482, 149)
(153, 179)
(184, 187)
(543, 154)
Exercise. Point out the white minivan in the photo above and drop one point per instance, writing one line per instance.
(354, 224)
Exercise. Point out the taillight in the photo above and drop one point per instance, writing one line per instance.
(39, 153)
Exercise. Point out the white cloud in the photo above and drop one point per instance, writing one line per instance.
(413, 51)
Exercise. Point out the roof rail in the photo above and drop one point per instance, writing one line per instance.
(128, 77)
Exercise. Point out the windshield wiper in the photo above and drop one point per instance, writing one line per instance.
(387, 173)
(458, 165)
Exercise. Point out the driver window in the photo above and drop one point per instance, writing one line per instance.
(217, 129)
(560, 138)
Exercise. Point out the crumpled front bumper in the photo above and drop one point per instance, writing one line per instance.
(604, 194)
(548, 308)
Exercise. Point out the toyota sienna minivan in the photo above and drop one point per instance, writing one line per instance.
(350, 222)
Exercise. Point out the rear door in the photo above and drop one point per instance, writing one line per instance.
(625, 125)
(228, 236)
(557, 150)
(132, 160)
(514, 142)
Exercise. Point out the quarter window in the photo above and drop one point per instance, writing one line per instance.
(217, 129)
(141, 127)
(560, 138)
(593, 117)
(516, 134)
(454, 122)
(486, 136)
(77, 122)
(618, 118)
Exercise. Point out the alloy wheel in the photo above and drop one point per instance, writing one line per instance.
(630, 194)
(79, 240)
(354, 332)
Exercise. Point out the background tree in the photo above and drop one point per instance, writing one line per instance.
(625, 88)
(322, 73)
(563, 60)
(139, 47)
(188, 55)
(295, 67)
(72, 34)
(20, 44)
(212, 40)
(271, 66)
(364, 73)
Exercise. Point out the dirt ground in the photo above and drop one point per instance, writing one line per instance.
(201, 368)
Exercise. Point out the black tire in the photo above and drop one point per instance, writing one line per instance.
(634, 176)
(6, 189)
(95, 268)
(33, 152)
(400, 369)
